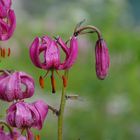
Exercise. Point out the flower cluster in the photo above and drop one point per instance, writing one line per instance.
(45, 53)
(50, 50)
(16, 86)
(7, 20)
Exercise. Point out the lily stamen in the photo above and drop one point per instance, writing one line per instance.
(53, 83)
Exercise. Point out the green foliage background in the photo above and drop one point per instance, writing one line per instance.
(106, 110)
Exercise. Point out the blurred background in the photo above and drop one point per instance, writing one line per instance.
(105, 110)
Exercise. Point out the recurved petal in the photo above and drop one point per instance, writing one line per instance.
(6, 3)
(7, 28)
(28, 82)
(3, 30)
(42, 109)
(12, 23)
(3, 10)
(63, 46)
(34, 52)
(73, 52)
(46, 40)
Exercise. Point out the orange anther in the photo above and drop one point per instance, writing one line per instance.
(64, 81)
(3, 52)
(9, 52)
(0, 51)
(41, 81)
(37, 137)
(53, 83)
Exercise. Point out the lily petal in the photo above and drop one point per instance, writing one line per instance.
(73, 52)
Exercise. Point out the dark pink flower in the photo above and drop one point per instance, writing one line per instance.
(51, 53)
(4, 7)
(102, 59)
(16, 86)
(7, 25)
(27, 115)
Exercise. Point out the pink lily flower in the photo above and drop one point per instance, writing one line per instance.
(51, 51)
(51, 55)
(7, 25)
(11, 86)
(26, 115)
(102, 59)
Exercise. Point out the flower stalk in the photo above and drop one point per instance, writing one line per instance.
(88, 27)
(62, 108)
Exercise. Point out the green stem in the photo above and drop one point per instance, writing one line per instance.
(61, 110)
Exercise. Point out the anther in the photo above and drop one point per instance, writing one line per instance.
(53, 83)
(3, 52)
(37, 137)
(64, 81)
(9, 52)
(41, 81)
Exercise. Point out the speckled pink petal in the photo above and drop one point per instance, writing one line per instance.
(42, 109)
(23, 117)
(73, 52)
(28, 82)
(6, 93)
(11, 22)
(63, 45)
(34, 52)
(6, 3)
(52, 56)
(7, 28)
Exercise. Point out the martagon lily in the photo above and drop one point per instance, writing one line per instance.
(7, 20)
(16, 86)
(51, 55)
(27, 115)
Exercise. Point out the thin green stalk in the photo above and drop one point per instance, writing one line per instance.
(61, 110)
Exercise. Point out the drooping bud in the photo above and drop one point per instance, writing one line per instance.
(102, 59)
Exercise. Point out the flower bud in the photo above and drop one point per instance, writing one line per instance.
(102, 59)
